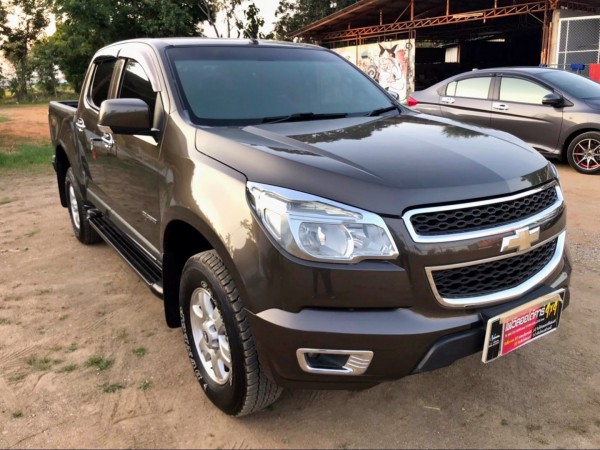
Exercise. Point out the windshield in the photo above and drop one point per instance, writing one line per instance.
(572, 84)
(257, 84)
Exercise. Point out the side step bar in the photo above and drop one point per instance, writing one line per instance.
(149, 270)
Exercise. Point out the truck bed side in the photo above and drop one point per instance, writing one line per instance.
(63, 135)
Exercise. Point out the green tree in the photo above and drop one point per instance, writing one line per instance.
(43, 63)
(17, 39)
(85, 26)
(295, 14)
(251, 28)
(228, 8)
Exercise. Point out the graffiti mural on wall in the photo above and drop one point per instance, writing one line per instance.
(391, 64)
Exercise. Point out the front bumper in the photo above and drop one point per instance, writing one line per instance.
(403, 341)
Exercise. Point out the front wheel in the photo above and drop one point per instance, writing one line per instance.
(584, 153)
(218, 338)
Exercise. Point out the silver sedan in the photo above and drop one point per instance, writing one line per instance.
(556, 112)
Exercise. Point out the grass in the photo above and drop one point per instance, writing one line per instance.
(6, 200)
(38, 98)
(17, 378)
(71, 348)
(113, 387)
(4, 119)
(145, 385)
(26, 155)
(67, 369)
(99, 362)
(4, 321)
(140, 352)
(123, 335)
(43, 291)
(17, 414)
(39, 364)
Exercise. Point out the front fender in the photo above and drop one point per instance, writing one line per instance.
(213, 201)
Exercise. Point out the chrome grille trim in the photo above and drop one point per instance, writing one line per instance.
(507, 294)
(532, 221)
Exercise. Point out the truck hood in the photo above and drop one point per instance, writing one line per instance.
(382, 164)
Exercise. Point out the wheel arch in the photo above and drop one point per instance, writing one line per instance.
(572, 136)
(184, 237)
(62, 164)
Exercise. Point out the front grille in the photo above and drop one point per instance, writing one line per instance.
(495, 276)
(484, 216)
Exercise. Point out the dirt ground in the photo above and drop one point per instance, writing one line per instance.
(62, 303)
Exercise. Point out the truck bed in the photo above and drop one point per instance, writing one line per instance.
(60, 115)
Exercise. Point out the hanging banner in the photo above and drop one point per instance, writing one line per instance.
(391, 64)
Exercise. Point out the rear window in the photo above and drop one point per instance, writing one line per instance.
(478, 87)
(101, 81)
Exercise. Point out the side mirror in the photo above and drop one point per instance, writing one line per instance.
(124, 116)
(553, 100)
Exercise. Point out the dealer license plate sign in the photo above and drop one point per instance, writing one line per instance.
(522, 325)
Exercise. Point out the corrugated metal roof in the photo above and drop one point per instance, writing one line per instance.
(375, 12)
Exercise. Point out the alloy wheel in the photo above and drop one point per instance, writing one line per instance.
(210, 336)
(74, 206)
(586, 154)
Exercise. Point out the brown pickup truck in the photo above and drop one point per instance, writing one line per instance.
(303, 228)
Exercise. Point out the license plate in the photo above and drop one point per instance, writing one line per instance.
(522, 325)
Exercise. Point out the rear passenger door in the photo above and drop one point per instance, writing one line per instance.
(468, 100)
(98, 155)
(519, 110)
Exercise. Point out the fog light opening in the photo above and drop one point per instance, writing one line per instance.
(334, 362)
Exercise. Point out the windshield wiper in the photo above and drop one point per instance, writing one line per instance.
(378, 112)
(297, 117)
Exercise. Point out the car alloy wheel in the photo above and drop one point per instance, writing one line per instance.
(586, 154)
(210, 336)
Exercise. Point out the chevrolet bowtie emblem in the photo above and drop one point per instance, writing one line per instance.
(521, 240)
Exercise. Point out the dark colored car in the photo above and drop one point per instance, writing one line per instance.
(303, 228)
(556, 112)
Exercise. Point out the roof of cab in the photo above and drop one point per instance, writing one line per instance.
(161, 43)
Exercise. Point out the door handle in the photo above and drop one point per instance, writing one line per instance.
(447, 100)
(500, 107)
(108, 141)
(80, 124)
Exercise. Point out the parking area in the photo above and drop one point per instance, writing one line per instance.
(86, 359)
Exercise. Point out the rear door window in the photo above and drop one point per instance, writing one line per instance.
(522, 91)
(477, 87)
(101, 82)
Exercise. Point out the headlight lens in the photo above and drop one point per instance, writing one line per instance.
(317, 229)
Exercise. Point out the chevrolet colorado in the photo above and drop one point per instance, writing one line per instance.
(303, 228)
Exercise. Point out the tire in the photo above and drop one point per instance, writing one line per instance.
(81, 226)
(218, 338)
(583, 153)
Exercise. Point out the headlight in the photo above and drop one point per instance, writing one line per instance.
(317, 229)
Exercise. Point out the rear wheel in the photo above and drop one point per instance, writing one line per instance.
(81, 226)
(584, 153)
(218, 338)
